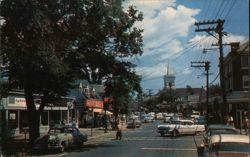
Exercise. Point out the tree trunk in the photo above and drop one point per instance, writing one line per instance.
(33, 115)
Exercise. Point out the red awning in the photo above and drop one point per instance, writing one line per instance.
(94, 103)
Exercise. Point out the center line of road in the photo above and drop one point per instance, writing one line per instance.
(168, 149)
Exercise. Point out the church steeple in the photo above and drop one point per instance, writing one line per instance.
(169, 79)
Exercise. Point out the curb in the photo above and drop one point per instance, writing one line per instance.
(101, 135)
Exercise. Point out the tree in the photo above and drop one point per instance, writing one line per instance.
(190, 90)
(46, 45)
(169, 96)
(215, 89)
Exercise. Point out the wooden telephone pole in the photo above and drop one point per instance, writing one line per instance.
(217, 29)
(206, 66)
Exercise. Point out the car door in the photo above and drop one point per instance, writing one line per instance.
(191, 127)
(69, 135)
(181, 127)
(77, 137)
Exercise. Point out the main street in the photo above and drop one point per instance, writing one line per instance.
(143, 141)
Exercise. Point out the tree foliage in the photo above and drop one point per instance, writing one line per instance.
(167, 95)
(215, 89)
(189, 90)
(46, 45)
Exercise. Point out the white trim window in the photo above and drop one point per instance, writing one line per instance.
(245, 82)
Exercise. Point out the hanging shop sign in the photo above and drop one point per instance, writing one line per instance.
(94, 103)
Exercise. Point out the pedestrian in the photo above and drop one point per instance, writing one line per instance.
(246, 125)
(231, 120)
(119, 132)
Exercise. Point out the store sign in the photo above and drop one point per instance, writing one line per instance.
(19, 102)
(94, 103)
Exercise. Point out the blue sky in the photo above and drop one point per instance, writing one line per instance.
(170, 38)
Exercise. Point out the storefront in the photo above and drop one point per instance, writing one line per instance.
(238, 104)
(90, 115)
(15, 119)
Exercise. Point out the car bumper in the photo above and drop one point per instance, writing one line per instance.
(165, 131)
(46, 146)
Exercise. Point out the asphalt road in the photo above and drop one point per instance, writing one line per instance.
(140, 142)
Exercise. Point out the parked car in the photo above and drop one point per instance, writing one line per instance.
(216, 129)
(159, 116)
(148, 119)
(200, 120)
(167, 118)
(179, 127)
(60, 138)
(225, 145)
(133, 123)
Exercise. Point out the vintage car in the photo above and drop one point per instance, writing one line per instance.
(178, 127)
(60, 138)
(216, 129)
(225, 145)
(148, 119)
(133, 123)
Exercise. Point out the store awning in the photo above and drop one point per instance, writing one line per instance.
(107, 112)
(97, 110)
(238, 97)
(102, 111)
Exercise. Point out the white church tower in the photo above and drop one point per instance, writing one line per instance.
(169, 79)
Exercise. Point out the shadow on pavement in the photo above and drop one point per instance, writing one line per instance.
(91, 147)
(12, 147)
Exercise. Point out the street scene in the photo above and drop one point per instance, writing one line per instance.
(116, 78)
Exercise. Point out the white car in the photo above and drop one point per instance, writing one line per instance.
(179, 127)
(225, 145)
(159, 116)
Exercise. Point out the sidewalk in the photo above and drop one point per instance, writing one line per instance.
(99, 132)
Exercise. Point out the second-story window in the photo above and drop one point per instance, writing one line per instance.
(245, 82)
(244, 62)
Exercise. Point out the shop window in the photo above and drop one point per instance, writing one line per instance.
(13, 119)
(12, 100)
(12, 116)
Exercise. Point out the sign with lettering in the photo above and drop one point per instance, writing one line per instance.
(18, 102)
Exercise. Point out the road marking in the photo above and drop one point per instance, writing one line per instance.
(63, 154)
(169, 149)
(155, 139)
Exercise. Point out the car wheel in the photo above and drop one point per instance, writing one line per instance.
(195, 133)
(174, 134)
(81, 144)
(62, 147)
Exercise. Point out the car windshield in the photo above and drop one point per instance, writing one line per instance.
(56, 130)
(231, 147)
(222, 131)
(175, 122)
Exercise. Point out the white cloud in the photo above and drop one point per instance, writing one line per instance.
(153, 71)
(212, 40)
(164, 22)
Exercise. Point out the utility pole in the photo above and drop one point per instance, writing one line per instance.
(218, 29)
(149, 92)
(206, 66)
